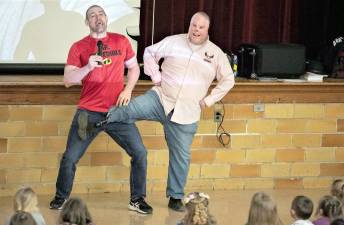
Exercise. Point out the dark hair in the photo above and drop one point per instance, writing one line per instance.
(75, 211)
(330, 206)
(92, 6)
(302, 206)
(22, 218)
(338, 221)
(337, 189)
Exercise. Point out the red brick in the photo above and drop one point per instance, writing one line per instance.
(288, 183)
(211, 141)
(332, 169)
(2, 176)
(106, 158)
(333, 140)
(3, 145)
(245, 171)
(203, 156)
(340, 125)
(290, 155)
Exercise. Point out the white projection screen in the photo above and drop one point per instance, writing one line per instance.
(42, 31)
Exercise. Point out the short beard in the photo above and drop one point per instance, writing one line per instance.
(98, 30)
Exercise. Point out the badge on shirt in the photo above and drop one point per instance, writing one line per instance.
(107, 61)
(208, 57)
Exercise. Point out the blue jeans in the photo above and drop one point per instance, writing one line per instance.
(178, 136)
(126, 135)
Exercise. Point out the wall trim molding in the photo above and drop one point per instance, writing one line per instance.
(49, 90)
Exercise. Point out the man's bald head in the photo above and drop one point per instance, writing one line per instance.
(201, 14)
(198, 29)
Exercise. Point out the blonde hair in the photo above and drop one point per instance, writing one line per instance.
(197, 210)
(263, 210)
(330, 206)
(337, 189)
(25, 199)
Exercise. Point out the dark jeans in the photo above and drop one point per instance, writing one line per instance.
(126, 135)
(178, 136)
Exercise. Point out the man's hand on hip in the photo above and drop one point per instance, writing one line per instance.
(202, 104)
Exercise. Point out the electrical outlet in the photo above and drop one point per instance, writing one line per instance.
(217, 116)
(258, 107)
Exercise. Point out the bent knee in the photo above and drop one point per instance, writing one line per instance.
(140, 154)
(69, 160)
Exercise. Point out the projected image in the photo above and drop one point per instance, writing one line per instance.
(42, 31)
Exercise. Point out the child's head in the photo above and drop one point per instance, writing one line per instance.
(301, 207)
(263, 210)
(196, 204)
(75, 211)
(338, 221)
(330, 206)
(25, 199)
(337, 189)
(22, 218)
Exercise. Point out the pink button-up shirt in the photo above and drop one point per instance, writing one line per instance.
(187, 73)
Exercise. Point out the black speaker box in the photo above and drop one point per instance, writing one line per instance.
(271, 60)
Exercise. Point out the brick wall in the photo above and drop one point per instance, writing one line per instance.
(286, 146)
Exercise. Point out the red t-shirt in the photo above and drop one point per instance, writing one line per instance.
(101, 87)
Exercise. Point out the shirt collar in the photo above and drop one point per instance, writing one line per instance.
(196, 47)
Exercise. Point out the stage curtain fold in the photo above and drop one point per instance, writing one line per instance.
(233, 22)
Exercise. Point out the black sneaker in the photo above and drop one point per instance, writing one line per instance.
(57, 203)
(141, 206)
(82, 125)
(176, 205)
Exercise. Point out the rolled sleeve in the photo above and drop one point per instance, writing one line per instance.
(130, 62)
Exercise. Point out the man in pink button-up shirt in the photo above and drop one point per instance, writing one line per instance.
(191, 63)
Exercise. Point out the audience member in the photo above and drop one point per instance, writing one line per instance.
(263, 211)
(196, 204)
(337, 189)
(22, 218)
(329, 209)
(25, 200)
(338, 221)
(75, 212)
(301, 210)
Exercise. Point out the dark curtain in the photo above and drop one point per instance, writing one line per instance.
(313, 23)
(320, 23)
(232, 21)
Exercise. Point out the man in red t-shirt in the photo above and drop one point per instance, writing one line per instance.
(97, 62)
